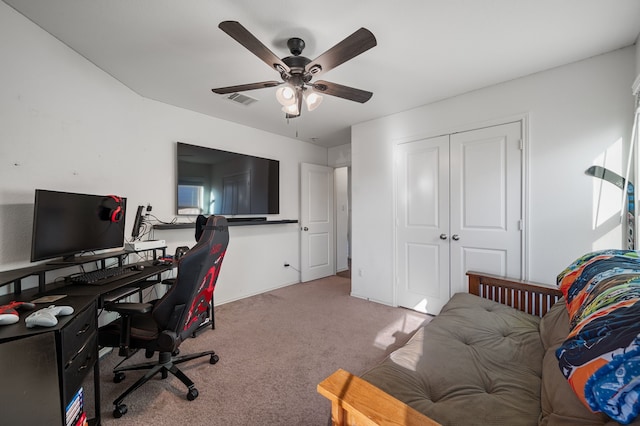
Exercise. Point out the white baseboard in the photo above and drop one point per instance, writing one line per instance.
(104, 352)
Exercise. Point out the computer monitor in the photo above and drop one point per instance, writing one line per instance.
(137, 223)
(66, 224)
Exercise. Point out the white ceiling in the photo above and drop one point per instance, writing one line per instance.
(172, 51)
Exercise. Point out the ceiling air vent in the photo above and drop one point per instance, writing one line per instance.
(241, 99)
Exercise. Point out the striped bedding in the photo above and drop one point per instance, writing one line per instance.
(601, 355)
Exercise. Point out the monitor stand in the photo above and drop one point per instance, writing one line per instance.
(78, 260)
(69, 260)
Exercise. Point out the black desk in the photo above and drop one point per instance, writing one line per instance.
(43, 367)
(150, 275)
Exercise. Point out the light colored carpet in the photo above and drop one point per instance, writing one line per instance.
(274, 349)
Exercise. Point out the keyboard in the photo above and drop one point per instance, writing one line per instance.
(104, 276)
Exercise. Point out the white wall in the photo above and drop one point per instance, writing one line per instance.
(636, 83)
(67, 125)
(638, 55)
(576, 114)
(339, 156)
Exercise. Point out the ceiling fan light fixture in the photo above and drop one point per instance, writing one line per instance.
(313, 100)
(291, 110)
(286, 95)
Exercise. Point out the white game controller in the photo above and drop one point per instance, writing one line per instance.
(46, 317)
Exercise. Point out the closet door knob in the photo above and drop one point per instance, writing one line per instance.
(305, 229)
(443, 236)
(455, 237)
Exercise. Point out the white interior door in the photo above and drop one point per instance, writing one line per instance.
(422, 248)
(458, 208)
(486, 203)
(317, 248)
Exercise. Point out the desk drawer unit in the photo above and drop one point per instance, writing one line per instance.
(77, 368)
(79, 351)
(75, 335)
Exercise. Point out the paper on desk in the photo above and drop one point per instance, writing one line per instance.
(49, 299)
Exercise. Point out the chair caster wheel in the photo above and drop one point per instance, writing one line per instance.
(192, 394)
(119, 411)
(214, 359)
(148, 353)
(165, 374)
(118, 377)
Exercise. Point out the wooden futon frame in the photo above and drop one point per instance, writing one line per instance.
(357, 402)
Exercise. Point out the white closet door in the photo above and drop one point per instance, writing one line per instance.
(458, 208)
(422, 246)
(486, 203)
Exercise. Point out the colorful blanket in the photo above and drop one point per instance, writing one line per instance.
(601, 355)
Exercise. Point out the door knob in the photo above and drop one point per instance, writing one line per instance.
(305, 229)
(455, 237)
(443, 236)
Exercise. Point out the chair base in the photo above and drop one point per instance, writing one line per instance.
(166, 364)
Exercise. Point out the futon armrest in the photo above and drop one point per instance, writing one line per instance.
(129, 308)
(355, 401)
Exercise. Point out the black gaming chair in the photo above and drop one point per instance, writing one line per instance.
(161, 326)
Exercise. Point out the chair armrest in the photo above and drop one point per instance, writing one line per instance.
(355, 401)
(167, 341)
(126, 311)
(129, 308)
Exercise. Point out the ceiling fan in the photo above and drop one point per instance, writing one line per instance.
(297, 71)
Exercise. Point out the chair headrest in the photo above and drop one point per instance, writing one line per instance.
(201, 221)
(212, 224)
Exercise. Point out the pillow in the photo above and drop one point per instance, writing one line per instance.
(601, 355)
(554, 325)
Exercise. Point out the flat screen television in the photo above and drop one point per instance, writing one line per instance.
(213, 181)
(66, 224)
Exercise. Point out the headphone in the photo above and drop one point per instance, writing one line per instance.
(111, 208)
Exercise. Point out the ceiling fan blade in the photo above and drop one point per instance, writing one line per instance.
(255, 46)
(345, 92)
(357, 43)
(243, 87)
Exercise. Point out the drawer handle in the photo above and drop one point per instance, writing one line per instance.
(83, 329)
(86, 363)
(78, 352)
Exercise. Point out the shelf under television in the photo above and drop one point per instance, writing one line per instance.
(189, 225)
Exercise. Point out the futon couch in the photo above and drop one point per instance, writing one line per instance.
(501, 354)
